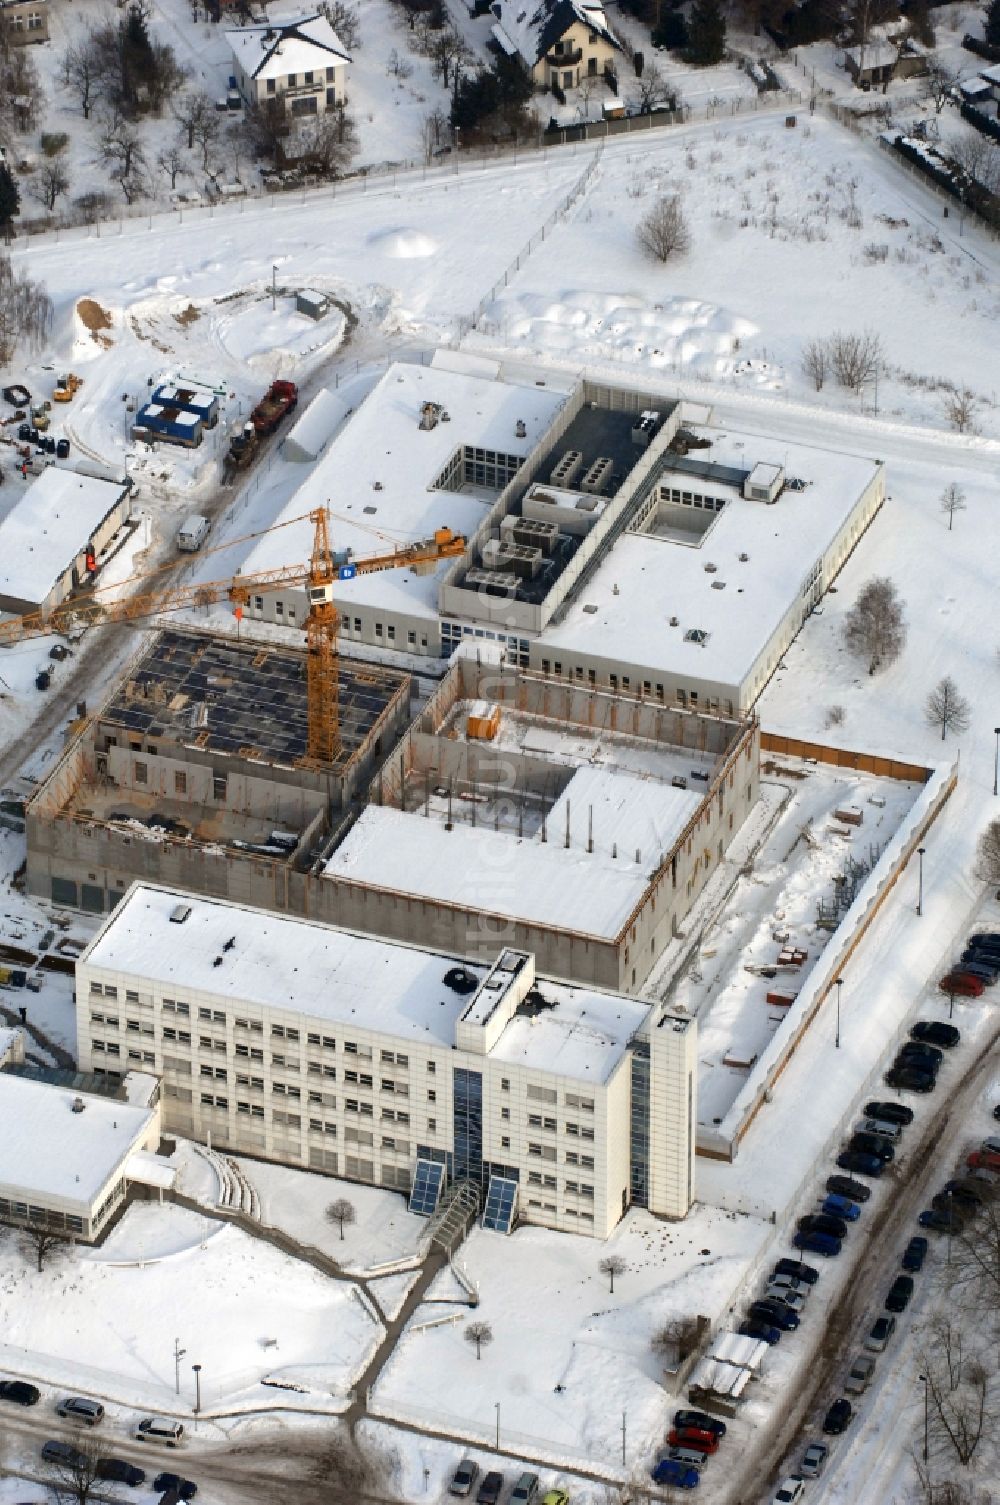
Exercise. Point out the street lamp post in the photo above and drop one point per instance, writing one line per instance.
(923, 1377)
(179, 1353)
(996, 760)
(840, 984)
(274, 286)
(197, 1387)
(920, 880)
(497, 1410)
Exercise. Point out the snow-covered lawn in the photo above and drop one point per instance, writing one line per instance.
(296, 1201)
(567, 1357)
(106, 1319)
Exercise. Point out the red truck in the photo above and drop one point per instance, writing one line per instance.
(282, 398)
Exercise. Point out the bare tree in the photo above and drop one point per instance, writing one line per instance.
(341, 1212)
(21, 96)
(664, 231)
(612, 1265)
(81, 72)
(677, 1338)
(960, 408)
(49, 183)
(446, 49)
(952, 501)
(856, 358)
(957, 1389)
(988, 870)
(978, 157)
(171, 161)
(123, 152)
(480, 1334)
(190, 110)
(76, 1480)
(435, 132)
(816, 362)
(345, 20)
(948, 708)
(328, 142)
(937, 84)
(25, 311)
(41, 1242)
(399, 65)
(875, 628)
(653, 89)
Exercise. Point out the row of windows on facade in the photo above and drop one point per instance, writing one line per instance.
(33, 21)
(309, 77)
(383, 630)
(29, 1213)
(685, 698)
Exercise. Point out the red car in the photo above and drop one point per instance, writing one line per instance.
(693, 1437)
(963, 985)
(983, 1160)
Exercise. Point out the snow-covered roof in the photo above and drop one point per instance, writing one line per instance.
(48, 1150)
(992, 75)
(50, 525)
(280, 48)
(532, 27)
(381, 471)
(977, 88)
(630, 814)
(875, 55)
(301, 966)
(312, 429)
(646, 580)
(9, 1037)
(523, 878)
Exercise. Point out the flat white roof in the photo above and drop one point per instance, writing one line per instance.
(48, 1151)
(377, 475)
(630, 815)
(646, 580)
(50, 525)
(301, 966)
(471, 866)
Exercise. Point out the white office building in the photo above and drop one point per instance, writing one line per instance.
(393, 1065)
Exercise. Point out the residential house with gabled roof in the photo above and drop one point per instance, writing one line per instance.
(558, 41)
(299, 63)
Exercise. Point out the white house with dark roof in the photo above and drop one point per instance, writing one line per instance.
(558, 41)
(300, 63)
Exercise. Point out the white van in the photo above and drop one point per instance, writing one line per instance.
(192, 533)
(158, 1429)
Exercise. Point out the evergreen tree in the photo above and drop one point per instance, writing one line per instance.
(992, 32)
(707, 29)
(672, 30)
(10, 200)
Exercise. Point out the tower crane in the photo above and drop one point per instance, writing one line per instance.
(322, 622)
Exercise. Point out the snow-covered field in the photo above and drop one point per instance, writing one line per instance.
(566, 1357)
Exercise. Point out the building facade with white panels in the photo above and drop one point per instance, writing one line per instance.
(295, 1042)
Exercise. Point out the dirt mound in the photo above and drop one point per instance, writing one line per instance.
(96, 319)
(187, 315)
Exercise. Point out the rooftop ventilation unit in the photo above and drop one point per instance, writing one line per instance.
(710, 568)
(718, 585)
(696, 635)
(179, 913)
(78, 1105)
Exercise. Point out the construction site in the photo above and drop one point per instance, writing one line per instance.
(196, 771)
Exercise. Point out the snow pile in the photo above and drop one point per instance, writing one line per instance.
(673, 334)
(403, 244)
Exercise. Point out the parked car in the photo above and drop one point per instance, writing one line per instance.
(764, 1332)
(841, 1207)
(490, 1489)
(942, 1222)
(883, 1127)
(917, 1050)
(969, 1189)
(701, 1420)
(789, 1283)
(814, 1460)
(893, 1113)
(788, 1491)
(797, 1269)
(554, 1497)
(838, 1418)
(985, 938)
(19, 1392)
(990, 1144)
(526, 1490)
(464, 1477)
(818, 1243)
(899, 1295)
(78, 1408)
(982, 966)
(914, 1254)
(882, 1330)
(678, 1475)
(693, 1437)
(988, 1160)
(910, 1079)
(872, 1144)
(792, 1299)
(859, 1376)
(64, 1454)
(821, 1222)
(186, 1488)
(861, 1163)
(692, 1456)
(996, 1111)
(846, 1186)
(774, 1312)
(962, 984)
(120, 1471)
(952, 1206)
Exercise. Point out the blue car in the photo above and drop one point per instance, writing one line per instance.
(764, 1332)
(860, 1163)
(680, 1475)
(841, 1207)
(775, 1313)
(914, 1254)
(817, 1243)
